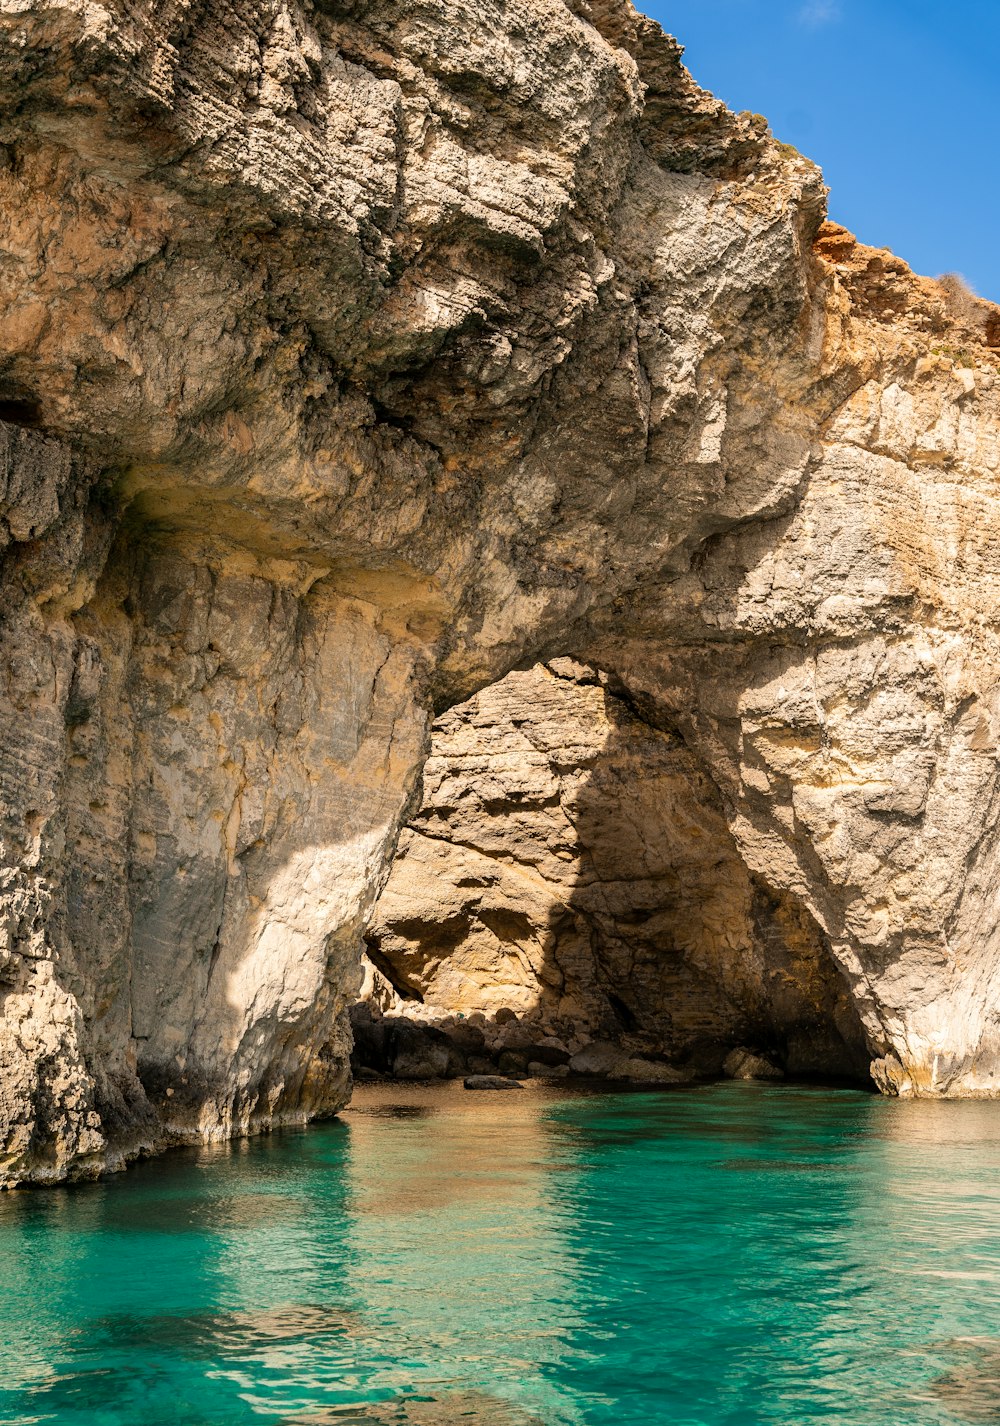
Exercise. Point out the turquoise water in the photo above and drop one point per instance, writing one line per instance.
(733, 1254)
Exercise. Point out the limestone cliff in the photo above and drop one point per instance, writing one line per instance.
(570, 895)
(353, 354)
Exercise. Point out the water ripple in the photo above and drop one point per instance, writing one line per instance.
(729, 1256)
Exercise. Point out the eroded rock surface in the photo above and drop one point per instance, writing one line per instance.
(353, 354)
(570, 897)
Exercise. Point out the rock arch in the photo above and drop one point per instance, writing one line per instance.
(345, 368)
(570, 894)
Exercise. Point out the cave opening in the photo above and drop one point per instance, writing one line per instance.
(569, 900)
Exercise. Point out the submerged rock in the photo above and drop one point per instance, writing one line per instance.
(452, 1408)
(970, 1388)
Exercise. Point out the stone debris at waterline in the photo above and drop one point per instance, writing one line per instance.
(490, 1081)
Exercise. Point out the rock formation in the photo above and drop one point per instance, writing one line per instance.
(570, 895)
(354, 354)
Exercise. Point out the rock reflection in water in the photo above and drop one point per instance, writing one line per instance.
(226, 1334)
(731, 1255)
(501, 1156)
(392, 1111)
(234, 1213)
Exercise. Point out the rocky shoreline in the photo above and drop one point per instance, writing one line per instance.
(355, 359)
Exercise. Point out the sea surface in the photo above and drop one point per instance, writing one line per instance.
(731, 1254)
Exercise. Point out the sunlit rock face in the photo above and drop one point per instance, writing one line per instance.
(353, 355)
(203, 766)
(570, 895)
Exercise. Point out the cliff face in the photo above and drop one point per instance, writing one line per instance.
(354, 354)
(570, 894)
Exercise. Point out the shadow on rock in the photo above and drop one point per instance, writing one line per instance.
(570, 900)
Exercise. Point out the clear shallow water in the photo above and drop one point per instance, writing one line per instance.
(735, 1254)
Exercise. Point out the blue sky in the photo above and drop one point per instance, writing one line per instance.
(899, 104)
